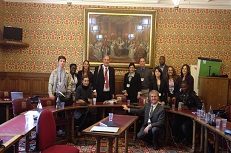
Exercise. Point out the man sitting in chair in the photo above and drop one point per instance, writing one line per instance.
(154, 116)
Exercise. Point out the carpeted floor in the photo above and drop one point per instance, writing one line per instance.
(87, 145)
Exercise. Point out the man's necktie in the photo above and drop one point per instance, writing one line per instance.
(106, 78)
(151, 110)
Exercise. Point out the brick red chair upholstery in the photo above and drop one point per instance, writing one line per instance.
(21, 105)
(60, 121)
(141, 100)
(123, 98)
(46, 101)
(7, 95)
(46, 135)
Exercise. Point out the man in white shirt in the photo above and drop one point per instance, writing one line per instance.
(154, 116)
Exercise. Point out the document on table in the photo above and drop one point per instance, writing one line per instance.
(104, 129)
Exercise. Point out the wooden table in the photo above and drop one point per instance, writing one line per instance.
(125, 121)
(187, 113)
(9, 140)
(7, 103)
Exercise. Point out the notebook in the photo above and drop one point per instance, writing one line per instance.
(109, 124)
(104, 129)
(16, 95)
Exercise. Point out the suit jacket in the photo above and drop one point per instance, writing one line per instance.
(99, 80)
(157, 117)
(165, 71)
(135, 86)
(190, 80)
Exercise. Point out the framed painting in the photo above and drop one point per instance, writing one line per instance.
(124, 35)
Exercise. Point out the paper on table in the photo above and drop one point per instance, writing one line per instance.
(33, 113)
(104, 129)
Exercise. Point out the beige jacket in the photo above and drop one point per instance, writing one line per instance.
(53, 82)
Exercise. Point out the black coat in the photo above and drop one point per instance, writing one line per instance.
(99, 80)
(135, 86)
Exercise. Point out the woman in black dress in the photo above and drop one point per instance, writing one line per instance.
(160, 85)
(186, 76)
(132, 84)
(85, 71)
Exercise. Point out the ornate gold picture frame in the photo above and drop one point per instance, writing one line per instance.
(124, 35)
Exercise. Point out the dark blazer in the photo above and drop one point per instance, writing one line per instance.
(135, 86)
(157, 117)
(162, 90)
(99, 80)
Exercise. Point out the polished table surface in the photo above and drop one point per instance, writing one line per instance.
(124, 121)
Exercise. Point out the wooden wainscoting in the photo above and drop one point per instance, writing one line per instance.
(35, 83)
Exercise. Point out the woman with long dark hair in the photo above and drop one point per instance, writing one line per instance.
(186, 76)
(85, 71)
(159, 84)
(172, 85)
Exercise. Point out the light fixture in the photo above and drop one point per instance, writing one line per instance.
(146, 22)
(176, 3)
(131, 36)
(139, 28)
(99, 37)
(94, 28)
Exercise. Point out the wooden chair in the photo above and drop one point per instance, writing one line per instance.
(19, 106)
(46, 101)
(46, 135)
(122, 97)
(60, 121)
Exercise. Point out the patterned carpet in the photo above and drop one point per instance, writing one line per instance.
(87, 145)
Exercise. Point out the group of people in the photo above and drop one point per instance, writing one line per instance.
(165, 87)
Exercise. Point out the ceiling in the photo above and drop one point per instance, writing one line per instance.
(207, 4)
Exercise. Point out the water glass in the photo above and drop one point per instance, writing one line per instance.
(224, 122)
(180, 105)
(198, 112)
(110, 116)
(207, 118)
(218, 122)
(62, 105)
(128, 102)
(173, 106)
(94, 101)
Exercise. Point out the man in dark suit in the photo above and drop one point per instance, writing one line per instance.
(163, 66)
(154, 116)
(104, 81)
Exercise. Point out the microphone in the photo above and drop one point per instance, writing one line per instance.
(62, 94)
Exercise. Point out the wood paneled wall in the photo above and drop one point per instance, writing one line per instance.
(35, 83)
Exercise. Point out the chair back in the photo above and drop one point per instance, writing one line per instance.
(46, 101)
(45, 130)
(121, 97)
(7, 95)
(21, 105)
(142, 98)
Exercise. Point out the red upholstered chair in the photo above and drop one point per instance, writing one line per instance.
(7, 95)
(21, 105)
(46, 101)
(60, 121)
(122, 96)
(46, 135)
(141, 100)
